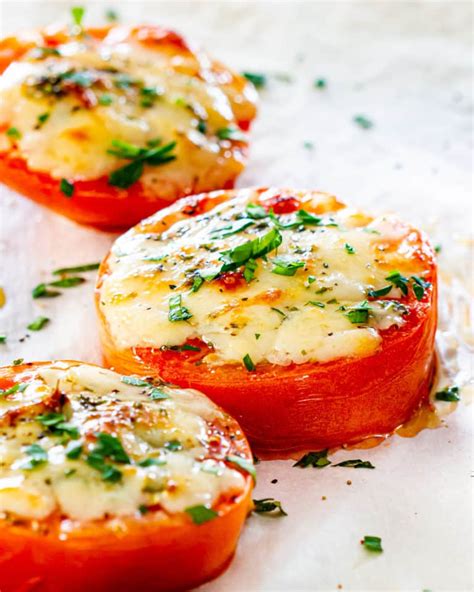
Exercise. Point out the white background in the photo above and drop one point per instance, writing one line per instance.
(407, 66)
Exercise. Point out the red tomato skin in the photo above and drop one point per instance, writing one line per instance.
(95, 202)
(163, 554)
(312, 405)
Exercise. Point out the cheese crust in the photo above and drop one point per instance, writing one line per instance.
(70, 97)
(320, 291)
(87, 444)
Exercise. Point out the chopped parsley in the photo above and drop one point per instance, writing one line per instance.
(77, 269)
(13, 132)
(258, 80)
(74, 450)
(419, 286)
(38, 323)
(68, 282)
(177, 312)
(111, 15)
(372, 543)
(77, 13)
(268, 505)
(57, 424)
(363, 121)
(249, 270)
(66, 187)
(350, 250)
(243, 464)
(173, 445)
(285, 266)
(320, 83)
(16, 388)
(230, 133)
(401, 282)
(157, 394)
(105, 100)
(107, 447)
(42, 119)
(231, 229)
(200, 514)
(359, 315)
(127, 175)
(355, 464)
(18, 361)
(248, 363)
(450, 394)
(134, 381)
(318, 460)
(3, 339)
(316, 303)
(41, 291)
(253, 249)
(151, 462)
(37, 457)
(379, 293)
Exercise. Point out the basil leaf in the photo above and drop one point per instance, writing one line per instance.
(355, 464)
(38, 323)
(258, 80)
(77, 269)
(247, 360)
(285, 266)
(127, 175)
(37, 457)
(134, 381)
(66, 187)
(379, 293)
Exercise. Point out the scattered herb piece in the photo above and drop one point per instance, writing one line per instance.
(231, 229)
(258, 80)
(419, 286)
(16, 388)
(157, 394)
(243, 464)
(38, 324)
(13, 132)
(77, 269)
(268, 505)
(355, 464)
(177, 312)
(42, 119)
(38, 456)
(234, 258)
(450, 394)
(379, 293)
(66, 187)
(57, 424)
(317, 459)
(230, 133)
(18, 361)
(111, 15)
(127, 175)
(316, 303)
(438, 248)
(74, 450)
(107, 447)
(308, 145)
(249, 270)
(134, 381)
(248, 363)
(173, 445)
(68, 282)
(255, 212)
(359, 315)
(320, 83)
(3, 339)
(151, 462)
(202, 126)
(372, 543)
(41, 291)
(105, 100)
(350, 250)
(200, 514)
(284, 266)
(77, 13)
(363, 121)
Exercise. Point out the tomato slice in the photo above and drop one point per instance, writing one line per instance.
(311, 405)
(97, 203)
(152, 551)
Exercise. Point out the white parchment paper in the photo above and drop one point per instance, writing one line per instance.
(407, 66)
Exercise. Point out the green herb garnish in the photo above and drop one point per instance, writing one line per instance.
(42, 119)
(107, 447)
(173, 445)
(268, 505)
(38, 324)
(258, 80)
(285, 266)
(126, 176)
(176, 311)
(317, 460)
(230, 133)
(134, 381)
(200, 514)
(320, 83)
(355, 464)
(37, 457)
(77, 13)
(358, 314)
(363, 121)
(372, 543)
(111, 15)
(66, 187)
(244, 464)
(13, 132)
(105, 100)
(450, 394)
(379, 293)
(77, 269)
(74, 450)
(350, 250)
(248, 363)
(57, 424)
(238, 256)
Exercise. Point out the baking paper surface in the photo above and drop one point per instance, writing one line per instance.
(407, 67)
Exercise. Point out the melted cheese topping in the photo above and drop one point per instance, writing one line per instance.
(68, 107)
(280, 319)
(173, 433)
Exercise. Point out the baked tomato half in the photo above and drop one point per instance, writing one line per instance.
(111, 482)
(108, 125)
(310, 322)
